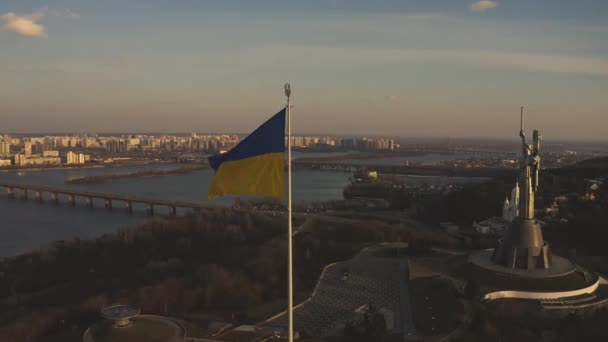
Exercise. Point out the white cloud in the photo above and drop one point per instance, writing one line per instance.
(28, 24)
(483, 5)
(25, 25)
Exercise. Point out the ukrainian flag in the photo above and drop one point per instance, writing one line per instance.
(255, 166)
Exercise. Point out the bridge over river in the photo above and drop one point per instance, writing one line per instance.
(13, 191)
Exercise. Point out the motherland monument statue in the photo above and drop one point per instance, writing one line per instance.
(523, 246)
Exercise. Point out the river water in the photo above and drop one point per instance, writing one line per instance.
(26, 224)
(431, 158)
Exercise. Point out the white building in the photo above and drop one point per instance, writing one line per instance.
(23, 160)
(27, 149)
(76, 158)
(71, 158)
(50, 153)
(20, 160)
(498, 225)
(5, 148)
(510, 209)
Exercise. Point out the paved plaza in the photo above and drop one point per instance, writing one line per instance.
(346, 286)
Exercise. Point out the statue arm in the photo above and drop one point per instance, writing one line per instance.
(537, 140)
(535, 160)
(531, 160)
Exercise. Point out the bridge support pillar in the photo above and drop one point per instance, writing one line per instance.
(108, 204)
(150, 209)
(54, 198)
(10, 192)
(89, 201)
(129, 207)
(72, 200)
(39, 196)
(173, 211)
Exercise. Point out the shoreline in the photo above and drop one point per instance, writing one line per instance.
(432, 176)
(137, 174)
(371, 156)
(96, 166)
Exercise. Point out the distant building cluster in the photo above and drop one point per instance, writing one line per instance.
(193, 143)
(359, 144)
(224, 142)
(68, 149)
(39, 151)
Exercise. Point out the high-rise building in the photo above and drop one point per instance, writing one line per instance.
(5, 148)
(76, 158)
(37, 148)
(116, 146)
(71, 158)
(27, 148)
(20, 159)
(72, 142)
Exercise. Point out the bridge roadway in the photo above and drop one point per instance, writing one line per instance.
(39, 190)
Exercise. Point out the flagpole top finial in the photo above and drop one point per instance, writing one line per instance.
(287, 89)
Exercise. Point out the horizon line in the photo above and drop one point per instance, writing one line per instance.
(346, 135)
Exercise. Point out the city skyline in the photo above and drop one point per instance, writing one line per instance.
(394, 68)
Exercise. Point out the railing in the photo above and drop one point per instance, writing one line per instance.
(108, 198)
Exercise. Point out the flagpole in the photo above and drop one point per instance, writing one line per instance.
(290, 228)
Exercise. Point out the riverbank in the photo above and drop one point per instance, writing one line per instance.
(13, 169)
(144, 173)
(367, 155)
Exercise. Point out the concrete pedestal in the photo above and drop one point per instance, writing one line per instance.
(523, 247)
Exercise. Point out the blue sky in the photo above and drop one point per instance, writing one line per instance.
(394, 67)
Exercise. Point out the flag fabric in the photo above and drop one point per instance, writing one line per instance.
(255, 166)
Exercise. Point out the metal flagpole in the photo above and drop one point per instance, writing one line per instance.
(290, 233)
(521, 119)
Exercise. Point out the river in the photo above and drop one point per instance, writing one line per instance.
(26, 224)
(428, 159)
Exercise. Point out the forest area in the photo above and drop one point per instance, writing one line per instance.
(221, 263)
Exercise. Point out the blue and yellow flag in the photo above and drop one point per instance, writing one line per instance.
(255, 166)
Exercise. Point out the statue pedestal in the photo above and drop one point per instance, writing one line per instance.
(523, 247)
(560, 267)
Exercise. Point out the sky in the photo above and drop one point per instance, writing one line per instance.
(382, 67)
